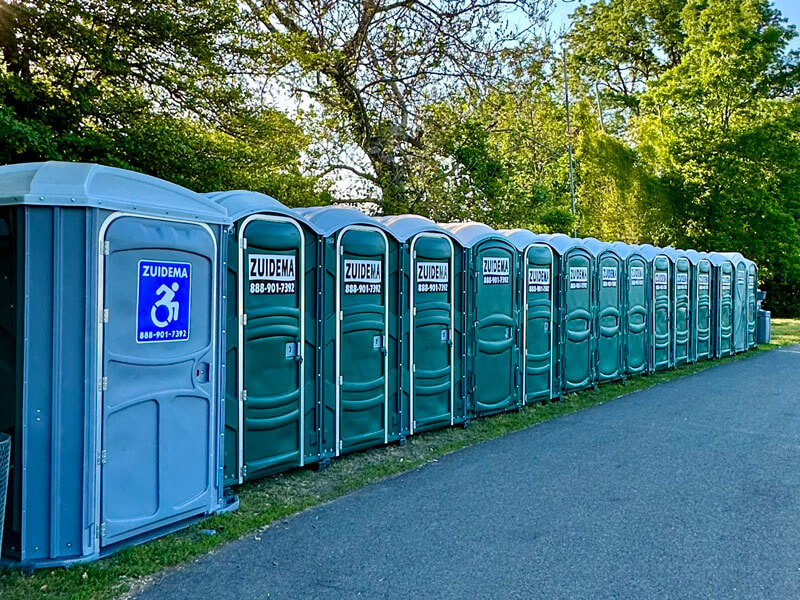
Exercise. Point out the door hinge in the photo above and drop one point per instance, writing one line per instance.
(243, 396)
(415, 311)
(102, 457)
(414, 368)
(244, 472)
(102, 384)
(106, 248)
(341, 379)
(243, 243)
(244, 319)
(102, 530)
(105, 315)
(341, 445)
(414, 424)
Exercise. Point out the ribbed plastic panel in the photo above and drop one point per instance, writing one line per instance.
(5, 461)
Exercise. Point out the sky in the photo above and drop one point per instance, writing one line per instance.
(789, 8)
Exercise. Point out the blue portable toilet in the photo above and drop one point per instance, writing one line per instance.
(636, 321)
(609, 302)
(702, 340)
(539, 347)
(273, 359)
(113, 354)
(724, 274)
(660, 267)
(493, 359)
(576, 312)
(361, 319)
(432, 359)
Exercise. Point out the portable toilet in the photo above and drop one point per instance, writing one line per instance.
(493, 319)
(724, 272)
(681, 306)
(740, 300)
(538, 324)
(113, 359)
(752, 302)
(272, 353)
(576, 312)
(360, 324)
(702, 342)
(636, 322)
(609, 307)
(433, 345)
(660, 266)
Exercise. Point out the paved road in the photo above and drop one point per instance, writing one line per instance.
(690, 489)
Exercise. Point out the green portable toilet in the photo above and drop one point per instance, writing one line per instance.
(740, 303)
(702, 341)
(433, 345)
(752, 302)
(576, 312)
(660, 266)
(538, 306)
(724, 273)
(360, 320)
(271, 322)
(493, 319)
(636, 321)
(609, 307)
(681, 306)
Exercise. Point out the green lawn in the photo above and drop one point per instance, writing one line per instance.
(268, 500)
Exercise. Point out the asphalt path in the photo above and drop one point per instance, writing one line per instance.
(689, 489)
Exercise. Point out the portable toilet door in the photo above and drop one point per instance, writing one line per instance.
(752, 289)
(702, 312)
(493, 367)
(681, 307)
(661, 307)
(361, 399)
(576, 313)
(609, 306)
(636, 316)
(118, 438)
(724, 272)
(432, 359)
(538, 305)
(271, 408)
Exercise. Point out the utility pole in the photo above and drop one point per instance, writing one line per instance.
(569, 142)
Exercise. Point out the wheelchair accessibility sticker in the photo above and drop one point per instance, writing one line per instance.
(163, 305)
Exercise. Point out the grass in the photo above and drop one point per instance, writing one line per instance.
(266, 501)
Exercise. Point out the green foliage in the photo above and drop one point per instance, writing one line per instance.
(145, 86)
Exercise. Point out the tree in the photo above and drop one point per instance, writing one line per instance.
(373, 65)
(151, 86)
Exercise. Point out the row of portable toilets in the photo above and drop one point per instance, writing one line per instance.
(160, 346)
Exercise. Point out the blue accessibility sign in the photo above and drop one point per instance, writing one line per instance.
(163, 306)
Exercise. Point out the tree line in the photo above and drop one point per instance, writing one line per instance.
(684, 113)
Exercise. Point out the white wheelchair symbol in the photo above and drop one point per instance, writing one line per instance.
(167, 299)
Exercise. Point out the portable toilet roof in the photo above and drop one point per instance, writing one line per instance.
(695, 257)
(404, 227)
(735, 257)
(625, 250)
(328, 219)
(596, 247)
(650, 252)
(561, 243)
(717, 258)
(56, 183)
(522, 238)
(243, 203)
(471, 232)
